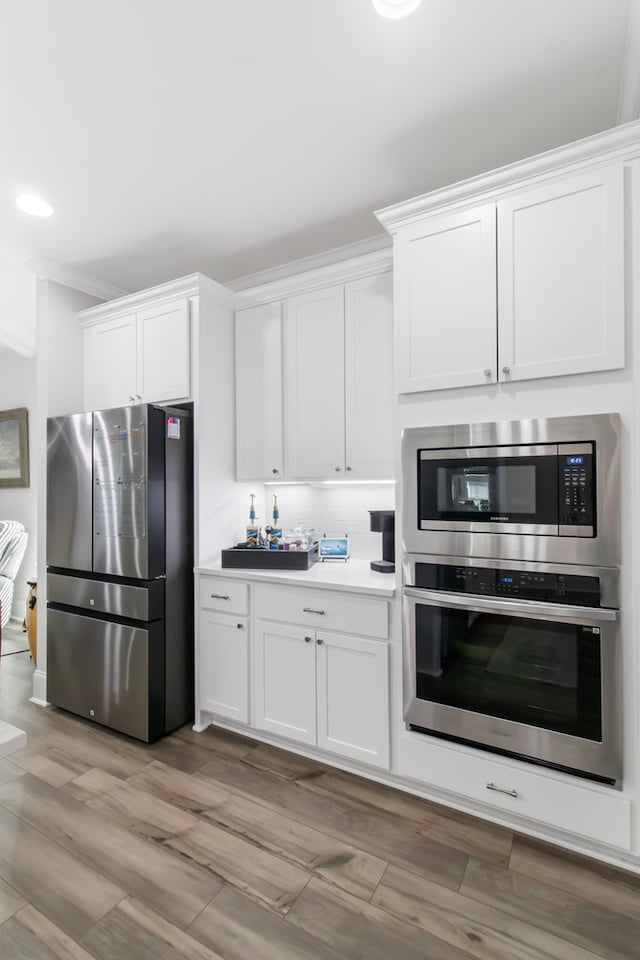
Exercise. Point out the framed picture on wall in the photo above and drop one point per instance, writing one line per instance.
(14, 448)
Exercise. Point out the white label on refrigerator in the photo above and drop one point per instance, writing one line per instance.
(173, 428)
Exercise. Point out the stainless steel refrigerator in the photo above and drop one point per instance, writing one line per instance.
(120, 567)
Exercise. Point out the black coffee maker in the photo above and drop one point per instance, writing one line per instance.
(384, 522)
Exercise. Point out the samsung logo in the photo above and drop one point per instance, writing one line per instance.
(499, 518)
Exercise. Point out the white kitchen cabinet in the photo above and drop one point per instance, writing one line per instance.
(110, 364)
(324, 689)
(285, 680)
(141, 357)
(555, 255)
(223, 669)
(164, 352)
(314, 385)
(259, 387)
(315, 683)
(338, 392)
(369, 396)
(353, 697)
(446, 301)
(561, 278)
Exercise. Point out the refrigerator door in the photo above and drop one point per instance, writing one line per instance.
(106, 671)
(69, 491)
(128, 471)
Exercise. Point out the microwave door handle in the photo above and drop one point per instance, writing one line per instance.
(547, 611)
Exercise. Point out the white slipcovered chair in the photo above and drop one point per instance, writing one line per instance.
(13, 543)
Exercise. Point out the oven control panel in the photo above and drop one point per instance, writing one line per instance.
(576, 489)
(522, 585)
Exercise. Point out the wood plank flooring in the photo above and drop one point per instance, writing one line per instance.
(209, 846)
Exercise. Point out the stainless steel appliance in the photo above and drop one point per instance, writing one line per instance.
(120, 568)
(520, 659)
(530, 490)
(511, 552)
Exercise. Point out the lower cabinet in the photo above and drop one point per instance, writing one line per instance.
(223, 685)
(324, 689)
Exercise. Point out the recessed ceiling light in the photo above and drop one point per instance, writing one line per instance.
(394, 9)
(33, 205)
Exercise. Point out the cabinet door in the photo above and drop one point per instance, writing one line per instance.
(314, 385)
(353, 697)
(110, 363)
(561, 278)
(285, 681)
(223, 666)
(259, 393)
(446, 301)
(369, 398)
(164, 353)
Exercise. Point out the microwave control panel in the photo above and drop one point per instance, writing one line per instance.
(520, 584)
(577, 487)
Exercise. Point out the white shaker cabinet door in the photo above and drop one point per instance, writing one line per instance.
(223, 666)
(259, 426)
(314, 385)
(110, 352)
(369, 397)
(164, 353)
(446, 301)
(285, 680)
(561, 277)
(353, 697)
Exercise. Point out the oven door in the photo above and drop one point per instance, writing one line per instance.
(534, 680)
(490, 489)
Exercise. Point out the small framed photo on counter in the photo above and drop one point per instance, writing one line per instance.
(333, 548)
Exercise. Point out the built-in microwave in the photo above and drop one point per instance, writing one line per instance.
(541, 490)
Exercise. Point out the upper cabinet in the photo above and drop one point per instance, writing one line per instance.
(138, 357)
(259, 444)
(314, 384)
(529, 285)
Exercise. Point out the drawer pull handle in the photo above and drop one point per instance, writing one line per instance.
(220, 596)
(307, 639)
(311, 610)
(509, 793)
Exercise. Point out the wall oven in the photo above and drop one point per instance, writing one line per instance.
(519, 659)
(530, 490)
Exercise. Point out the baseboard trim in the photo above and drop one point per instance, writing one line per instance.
(39, 689)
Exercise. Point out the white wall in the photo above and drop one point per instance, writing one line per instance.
(18, 389)
(332, 509)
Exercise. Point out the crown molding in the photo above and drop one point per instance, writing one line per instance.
(629, 97)
(353, 268)
(13, 338)
(195, 284)
(44, 269)
(619, 144)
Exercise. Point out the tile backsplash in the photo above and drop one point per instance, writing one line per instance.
(334, 511)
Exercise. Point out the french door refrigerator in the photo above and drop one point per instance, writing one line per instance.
(120, 568)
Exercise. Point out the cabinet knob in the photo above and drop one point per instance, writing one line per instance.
(131, 399)
(487, 372)
(275, 470)
(348, 469)
(307, 639)
(506, 369)
(240, 626)
(319, 642)
(337, 469)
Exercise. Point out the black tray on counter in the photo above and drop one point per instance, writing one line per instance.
(257, 558)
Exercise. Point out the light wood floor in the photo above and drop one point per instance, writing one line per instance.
(207, 846)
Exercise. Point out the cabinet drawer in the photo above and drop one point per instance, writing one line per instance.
(322, 609)
(594, 812)
(227, 596)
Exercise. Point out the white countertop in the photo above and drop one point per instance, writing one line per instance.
(352, 576)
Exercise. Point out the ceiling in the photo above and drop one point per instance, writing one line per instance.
(230, 137)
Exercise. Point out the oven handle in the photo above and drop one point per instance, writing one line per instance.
(555, 611)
